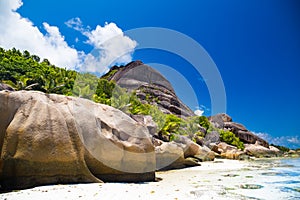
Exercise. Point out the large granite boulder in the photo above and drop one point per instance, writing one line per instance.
(259, 151)
(229, 152)
(146, 120)
(180, 153)
(48, 139)
(191, 149)
(150, 87)
(170, 155)
(212, 138)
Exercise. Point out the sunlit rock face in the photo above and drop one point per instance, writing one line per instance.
(48, 139)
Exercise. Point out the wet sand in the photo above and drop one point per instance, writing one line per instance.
(221, 179)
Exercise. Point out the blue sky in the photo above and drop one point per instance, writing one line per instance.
(255, 45)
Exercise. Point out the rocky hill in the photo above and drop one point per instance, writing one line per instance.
(150, 86)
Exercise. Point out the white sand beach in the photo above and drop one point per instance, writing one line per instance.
(221, 179)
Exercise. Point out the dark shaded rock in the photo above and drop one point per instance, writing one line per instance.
(250, 138)
(175, 110)
(233, 126)
(215, 149)
(165, 104)
(212, 138)
(151, 87)
(157, 142)
(166, 101)
(251, 186)
(141, 96)
(136, 74)
(6, 87)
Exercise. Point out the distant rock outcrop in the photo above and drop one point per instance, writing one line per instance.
(48, 139)
(224, 121)
(260, 151)
(150, 86)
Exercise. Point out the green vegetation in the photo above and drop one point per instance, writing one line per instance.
(85, 85)
(23, 71)
(230, 138)
(104, 91)
(203, 121)
(110, 74)
(137, 107)
(171, 127)
(158, 117)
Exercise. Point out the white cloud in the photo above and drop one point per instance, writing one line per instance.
(75, 23)
(294, 140)
(110, 44)
(19, 32)
(288, 141)
(199, 112)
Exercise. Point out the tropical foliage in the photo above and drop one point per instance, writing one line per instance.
(230, 138)
(24, 71)
(85, 85)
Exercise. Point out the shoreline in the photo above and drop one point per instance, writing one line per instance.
(219, 179)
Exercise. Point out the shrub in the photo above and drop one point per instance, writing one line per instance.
(203, 121)
(136, 107)
(85, 85)
(104, 91)
(158, 116)
(230, 138)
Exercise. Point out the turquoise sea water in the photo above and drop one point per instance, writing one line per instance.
(287, 174)
(259, 179)
(273, 179)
